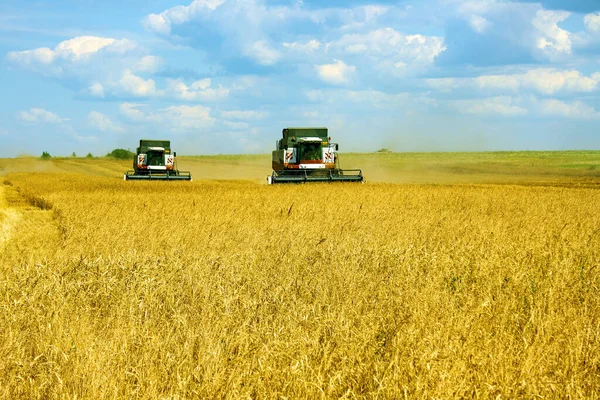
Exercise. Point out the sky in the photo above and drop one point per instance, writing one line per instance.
(226, 76)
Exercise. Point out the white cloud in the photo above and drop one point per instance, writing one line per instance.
(198, 90)
(262, 52)
(473, 12)
(391, 50)
(96, 89)
(543, 80)
(592, 22)
(188, 117)
(552, 40)
(336, 73)
(175, 117)
(501, 105)
(162, 23)
(103, 123)
(479, 24)
(133, 112)
(315, 95)
(445, 84)
(246, 82)
(306, 47)
(472, 7)
(550, 81)
(371, 100)
(158, 23)
(528, 105)
(236, 125)
(36, 115)
(73, 50)
(374, 11)
(149, 64)
(254, 28)
(509, 82)
(137, 86)
(242, 115)
(575, 109)
(99, 66)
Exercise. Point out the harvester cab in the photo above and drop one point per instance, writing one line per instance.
(155, 161)
(307, 155)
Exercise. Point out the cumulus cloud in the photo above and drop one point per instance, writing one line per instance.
(149, 64)
(479, 24)
(474, 12)
(133, 112)
(175, 117)
(501, 105)
(576, 109)
(552, 40)
(243, 115)
(368, 99)
(99, 67)
(96, 89)
(307, 47)
(39, 115)
(236, 125)
(161, 23)
(188, 117)
(262, 52)
(389, 49)
(77, 50)
(137, 86)
(198, 90)
(259, 27)
(506, 106)
(336, 73)
(513, 32)
(592, 22)
(543, 80)
(103, 123)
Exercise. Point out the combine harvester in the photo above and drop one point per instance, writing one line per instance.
(307, 155)
(155, 161)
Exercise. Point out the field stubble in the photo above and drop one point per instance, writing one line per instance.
(233, 289)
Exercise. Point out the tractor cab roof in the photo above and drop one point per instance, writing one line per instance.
(154, 145)
(310, 140)
(292, 136)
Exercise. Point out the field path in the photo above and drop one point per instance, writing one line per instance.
(9, 219)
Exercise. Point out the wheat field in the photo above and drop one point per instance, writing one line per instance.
(235, 289)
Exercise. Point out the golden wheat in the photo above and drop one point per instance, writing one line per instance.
(233, 289)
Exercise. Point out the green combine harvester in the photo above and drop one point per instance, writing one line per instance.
(155, 161)
(307, 155)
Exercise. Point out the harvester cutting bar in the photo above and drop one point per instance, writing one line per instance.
(169, 176)
(301, 176)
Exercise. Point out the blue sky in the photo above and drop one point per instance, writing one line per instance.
(225, 76)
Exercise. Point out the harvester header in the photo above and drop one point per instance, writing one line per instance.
(307, 155)
(155, 161)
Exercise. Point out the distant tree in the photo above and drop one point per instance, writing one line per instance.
(45, 155)
(73, 154)
(89, 155)
(121, 154)
(383, 150)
